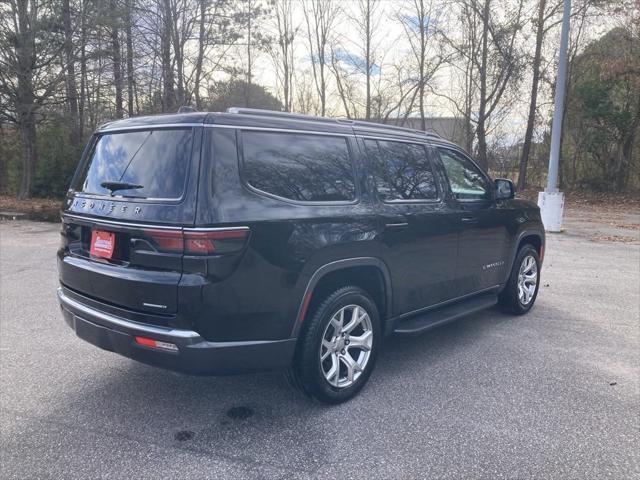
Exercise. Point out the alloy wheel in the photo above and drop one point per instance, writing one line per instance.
(346, 346)
(527, 280)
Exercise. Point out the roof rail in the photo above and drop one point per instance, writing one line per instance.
(386, 126)
(186, 109)
(276, 113)
(311, 118)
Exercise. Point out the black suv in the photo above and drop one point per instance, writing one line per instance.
(217, 243)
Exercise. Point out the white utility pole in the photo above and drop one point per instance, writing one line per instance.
(551, 201)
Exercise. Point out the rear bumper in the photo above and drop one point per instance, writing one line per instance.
(194, 354)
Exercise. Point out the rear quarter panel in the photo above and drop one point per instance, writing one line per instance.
(288, 243)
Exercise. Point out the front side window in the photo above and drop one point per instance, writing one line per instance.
(153, 163)
(402, 171)
(301, 167)
(465, 179)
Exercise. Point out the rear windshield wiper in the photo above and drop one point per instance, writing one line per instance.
(114, 186)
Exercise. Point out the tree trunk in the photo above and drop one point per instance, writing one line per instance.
(421, 79)
(200, 58)
(528, 136)
(129, 40)
(247, 88)
(167, 68)
(481, 132)
(72, 93)
(29, 156)
(83, 69)
(178, 52)
(25, 101)
(368, 58)
(117, 60)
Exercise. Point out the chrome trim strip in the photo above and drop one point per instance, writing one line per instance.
(149, 127)
(151, 226)
(420, 138)
(120, 322)
(276, 129)
(107, 198)
(154, 305)
(416, 141)
(219, 125)
(117, 223)
(214, 229)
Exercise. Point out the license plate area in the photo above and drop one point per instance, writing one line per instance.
(102, 244)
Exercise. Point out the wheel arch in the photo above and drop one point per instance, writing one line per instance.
(529, 236)
(369, 273)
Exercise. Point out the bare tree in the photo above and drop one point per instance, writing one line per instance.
(282, 54)
(28, 77)
(169, 97)
(320, 17)
(129, 5)
(254, 39)
(344, 84)
(427, 53)
(367, 22)
(488, 61)
(116, 56)
(217, 34)
(83, 67)
(202, 34)
(72, 91)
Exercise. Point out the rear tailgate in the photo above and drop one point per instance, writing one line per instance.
(124, 246)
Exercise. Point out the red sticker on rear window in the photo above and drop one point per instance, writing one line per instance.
(102, 243)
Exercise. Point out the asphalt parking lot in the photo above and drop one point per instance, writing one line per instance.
(553, 394)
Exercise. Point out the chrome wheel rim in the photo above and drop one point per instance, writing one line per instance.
(346, 346)
(527, 280)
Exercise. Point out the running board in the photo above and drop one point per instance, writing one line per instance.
(434, 318)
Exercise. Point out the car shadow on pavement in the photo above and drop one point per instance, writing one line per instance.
(259, 417)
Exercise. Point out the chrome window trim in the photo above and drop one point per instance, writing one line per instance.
(415, 141)
(282, 130)
(154, 126)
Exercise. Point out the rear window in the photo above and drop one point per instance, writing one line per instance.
(302, 167)
(154, 160)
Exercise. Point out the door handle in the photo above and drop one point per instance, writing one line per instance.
(469, 220)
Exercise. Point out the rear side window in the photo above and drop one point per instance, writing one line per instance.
(301, 167)
(156, 160)
(402, 171)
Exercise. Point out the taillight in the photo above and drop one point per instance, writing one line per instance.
(214, 241)
(167, 240)
(199, 242)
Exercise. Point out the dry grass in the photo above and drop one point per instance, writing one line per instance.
(47, 209)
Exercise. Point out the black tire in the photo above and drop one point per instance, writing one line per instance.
(307, 373)
(509, 299)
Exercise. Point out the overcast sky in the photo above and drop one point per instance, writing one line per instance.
(391, 47)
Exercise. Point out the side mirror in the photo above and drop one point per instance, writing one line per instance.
(505, 189)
